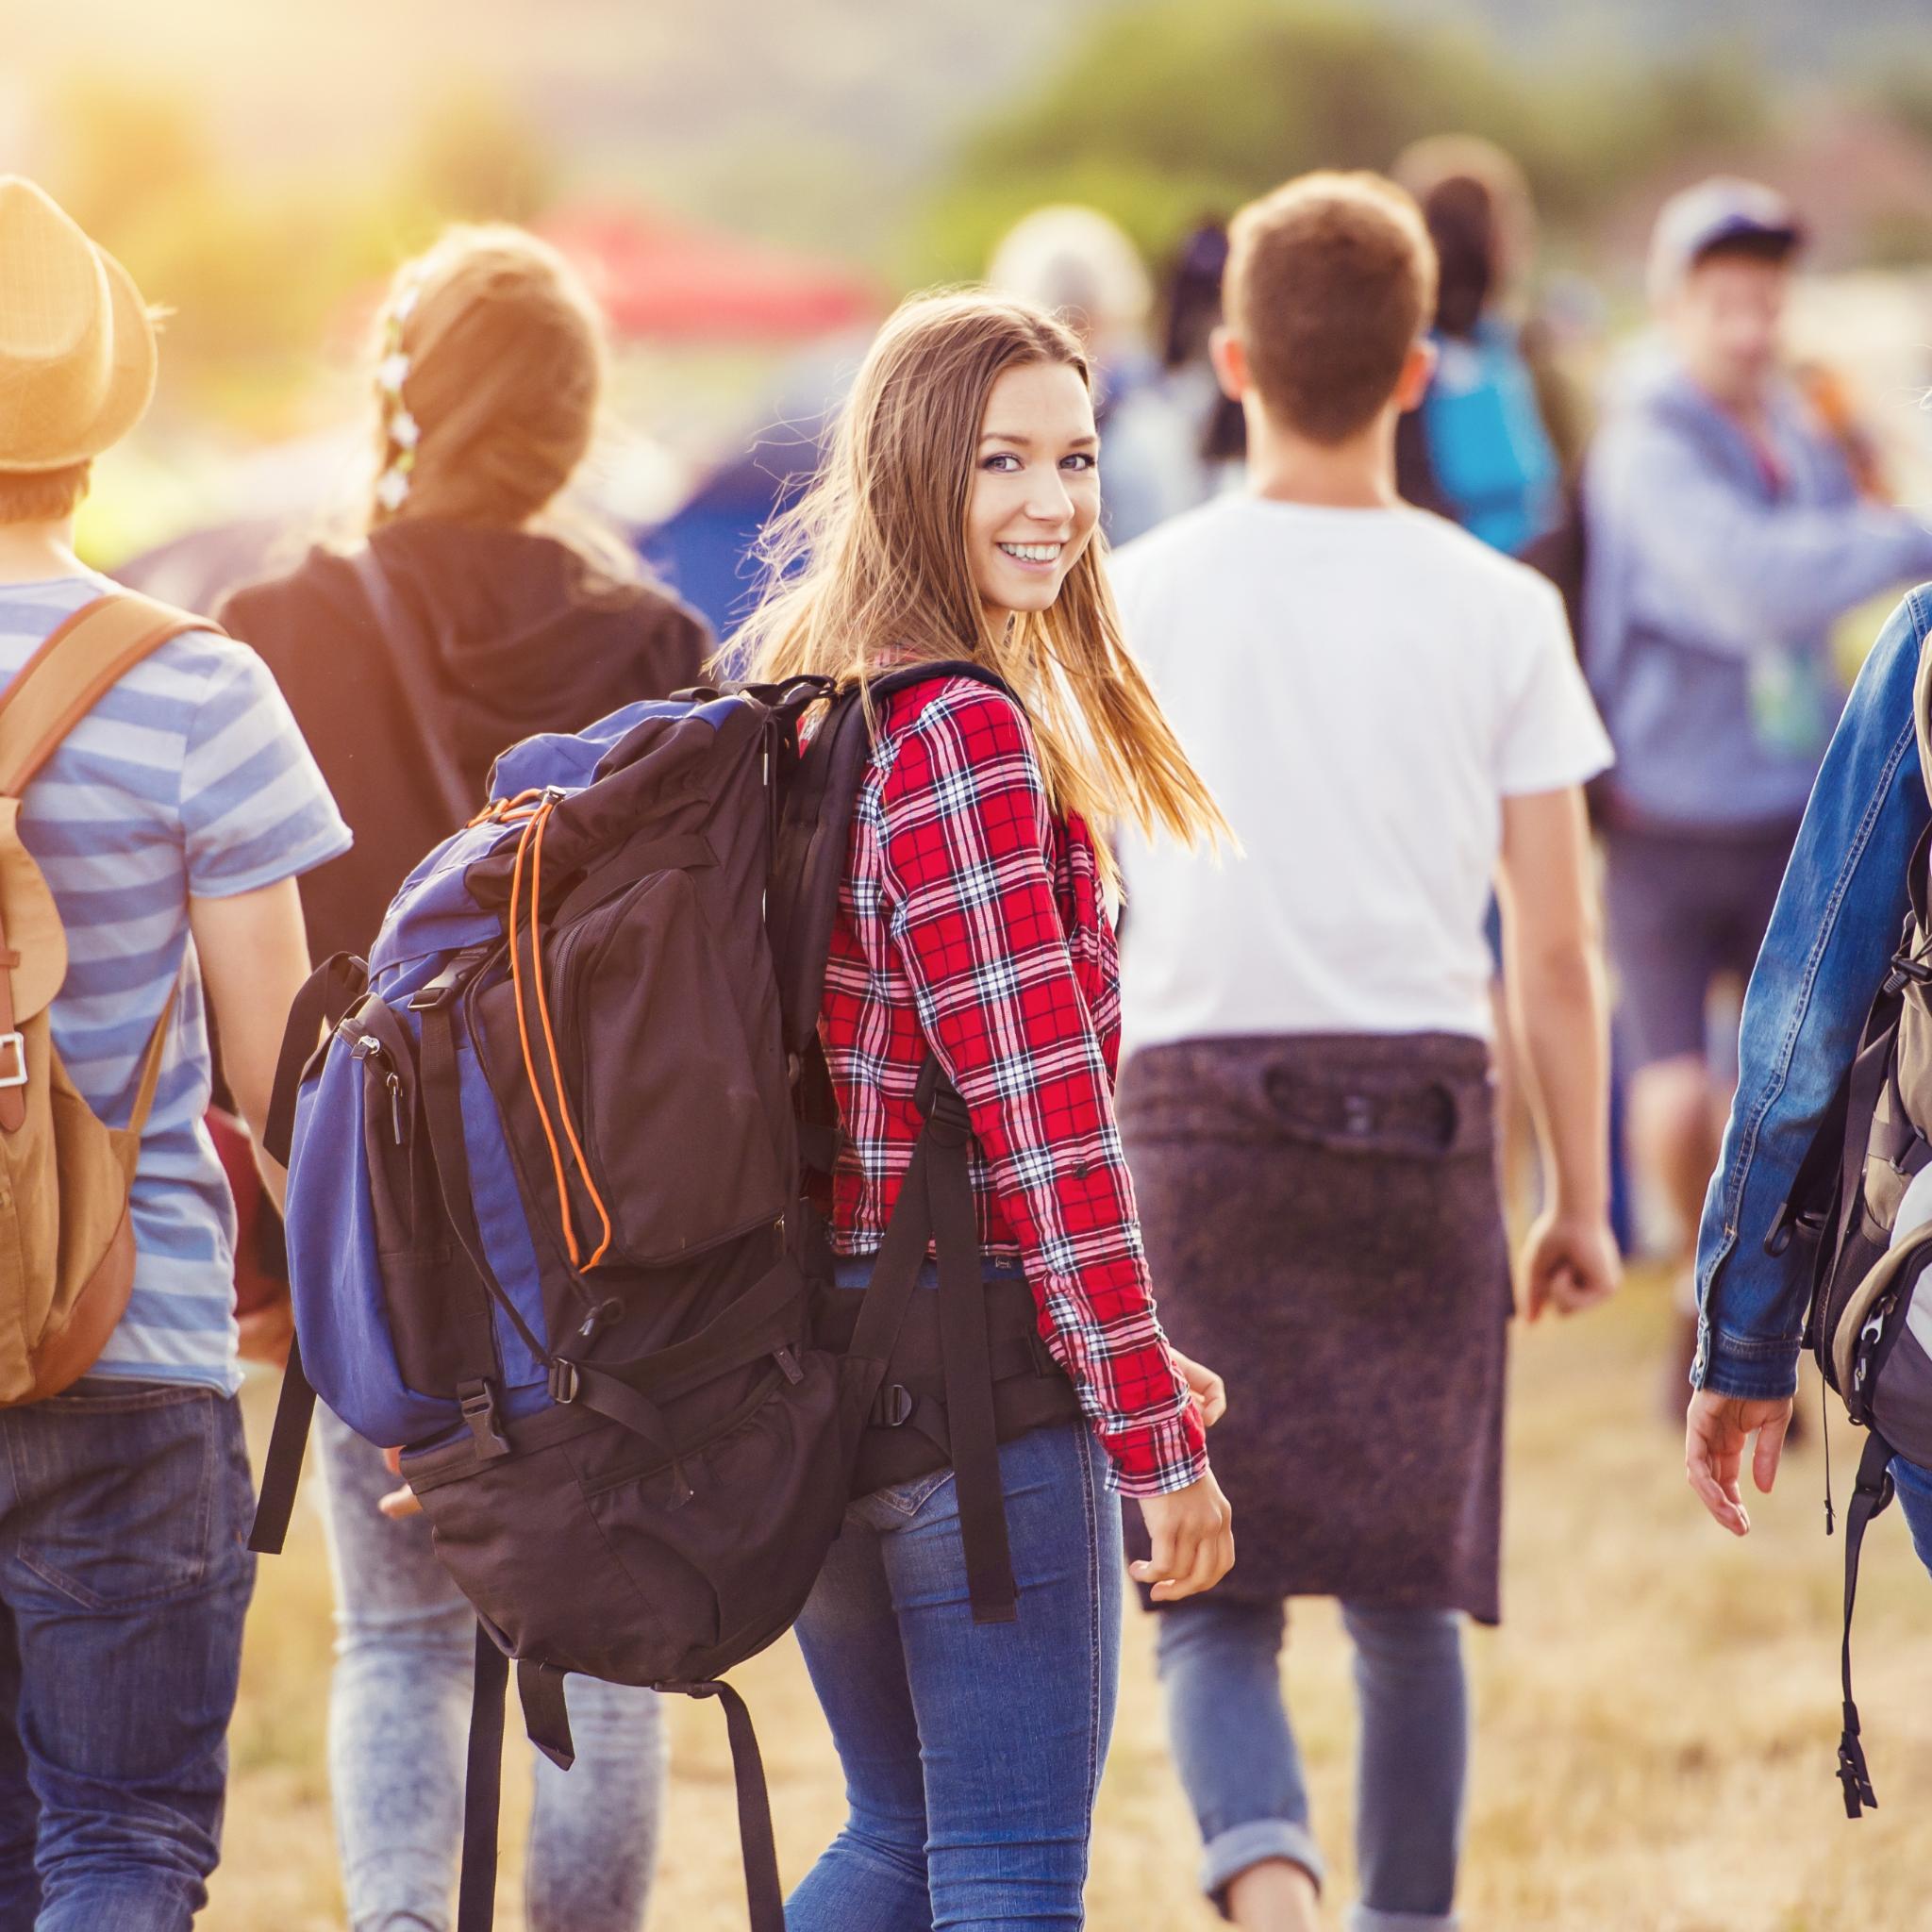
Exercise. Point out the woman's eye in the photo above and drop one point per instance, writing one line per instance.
(999, 462)
(1085, 459)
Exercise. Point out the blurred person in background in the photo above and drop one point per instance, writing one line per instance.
(1081, 266)
(1178, 441)
(473, 612)
(1498, 434)
(1725, 534)
(169, 824)
(1390, 714)
(1482, 448)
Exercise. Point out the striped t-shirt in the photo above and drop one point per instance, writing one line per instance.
(188, 777)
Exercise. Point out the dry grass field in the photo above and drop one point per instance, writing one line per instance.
(1657, 1716)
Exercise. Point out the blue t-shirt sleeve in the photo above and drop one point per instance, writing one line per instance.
(254, 808)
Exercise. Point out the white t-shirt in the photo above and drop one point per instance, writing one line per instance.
(1360, 689)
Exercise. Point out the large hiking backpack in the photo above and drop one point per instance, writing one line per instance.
(1859, 1200)
(551, 1226)
(65, 1177)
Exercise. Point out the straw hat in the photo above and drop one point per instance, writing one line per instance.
(76, 347)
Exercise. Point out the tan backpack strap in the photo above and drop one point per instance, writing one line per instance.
(151, 1063)
(80, 662)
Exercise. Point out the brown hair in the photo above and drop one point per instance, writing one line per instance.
(871, 568)
(43, 496)
(505, 379)
(1330, 279)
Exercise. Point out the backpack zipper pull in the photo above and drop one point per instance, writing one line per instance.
(599, 1317)
(396, 1105)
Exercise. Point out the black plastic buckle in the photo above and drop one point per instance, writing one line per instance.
(564, 1381)
(447, 984)
(891, 1408)
(939, 1102)
(1905, 967)
(486, 1425)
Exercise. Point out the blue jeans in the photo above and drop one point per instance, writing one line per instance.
(972, 1751)
(1913, 1486)
(1236, 1753)
(123, 1513)
(399, 1718)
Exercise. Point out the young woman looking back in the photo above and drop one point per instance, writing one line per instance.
(472, 617)
(955, 520)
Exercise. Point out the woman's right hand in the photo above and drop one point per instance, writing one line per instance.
(1193, 1534)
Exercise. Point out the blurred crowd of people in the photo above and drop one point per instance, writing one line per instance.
(1400, 722)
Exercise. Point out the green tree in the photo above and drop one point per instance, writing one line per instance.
(1170, 108)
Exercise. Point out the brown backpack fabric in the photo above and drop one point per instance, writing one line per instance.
(66, 1236)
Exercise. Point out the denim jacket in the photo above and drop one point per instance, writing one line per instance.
(1832, 935)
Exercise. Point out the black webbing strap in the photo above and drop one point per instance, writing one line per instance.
(971, 1423)
(326, 994)
(282, 1470)
(936, 1204)
(1871, 1493)
(442, 1113)
(1807, 1201)
(483, 1789)
(763, 1894)
(610, 1395)
(547, 1716)
(1863, 1091)
(765, 1318)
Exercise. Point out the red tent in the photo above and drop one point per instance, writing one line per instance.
(661, 280)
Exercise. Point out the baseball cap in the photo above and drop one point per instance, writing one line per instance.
(1722, 209)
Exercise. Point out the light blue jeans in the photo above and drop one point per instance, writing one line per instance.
(1233, 1745)
(1913, 1486)
(399, 1720)
(972, 1751)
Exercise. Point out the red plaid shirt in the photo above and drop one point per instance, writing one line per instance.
(970, 922)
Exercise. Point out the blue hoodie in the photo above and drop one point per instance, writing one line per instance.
(1711, 596)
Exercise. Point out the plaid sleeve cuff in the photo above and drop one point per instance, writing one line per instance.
(1156, 1458)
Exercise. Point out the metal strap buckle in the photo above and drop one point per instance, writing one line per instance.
(891, 1408)
(17, 1075)
(564, 1381)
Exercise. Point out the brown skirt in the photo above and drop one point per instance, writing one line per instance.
(1323, 1228)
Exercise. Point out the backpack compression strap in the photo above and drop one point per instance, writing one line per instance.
(1873, 1493)
(327, 994)
(547, 1721)
(79, 662)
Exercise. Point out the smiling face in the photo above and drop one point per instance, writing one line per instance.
(1036, 487)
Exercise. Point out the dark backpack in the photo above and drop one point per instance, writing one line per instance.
(551, 1226)
(1854, 1202)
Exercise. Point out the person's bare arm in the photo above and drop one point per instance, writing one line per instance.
(253, 957)
(1553, 970)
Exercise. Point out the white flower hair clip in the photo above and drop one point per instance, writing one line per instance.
(401, 431)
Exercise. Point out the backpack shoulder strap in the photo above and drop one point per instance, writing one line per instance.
(814, 830)
(406, 650)
(79, 663)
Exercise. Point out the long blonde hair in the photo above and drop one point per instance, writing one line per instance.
(502, 390)
(869, 569)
